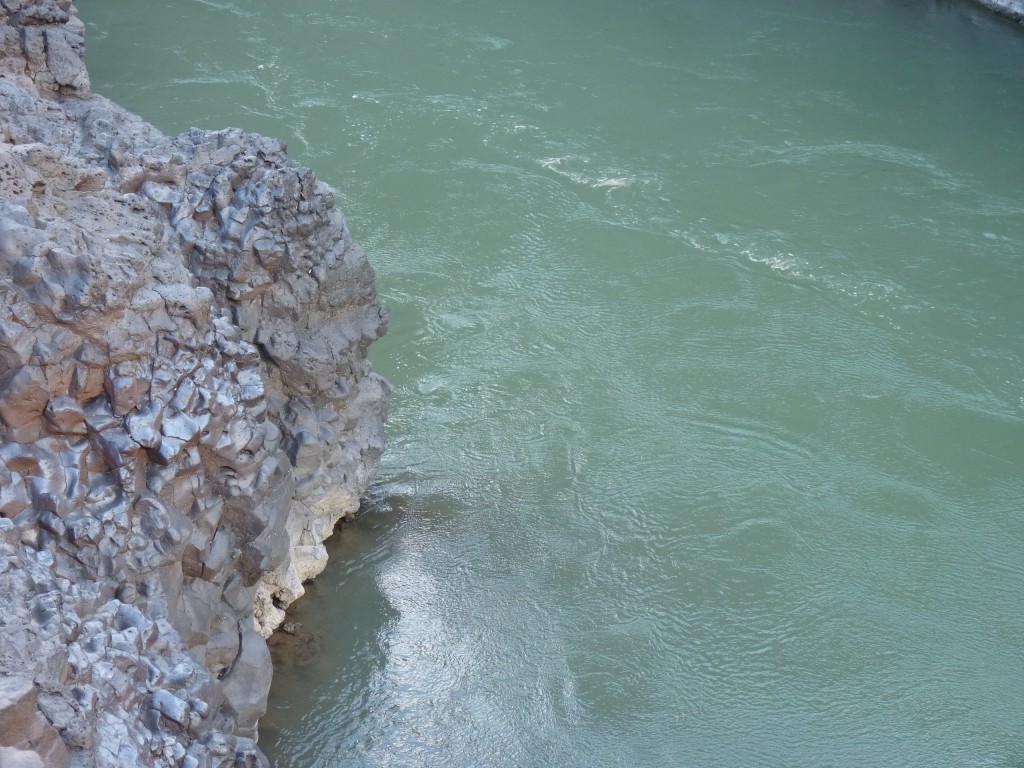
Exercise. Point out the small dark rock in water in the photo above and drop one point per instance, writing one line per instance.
(294, 646)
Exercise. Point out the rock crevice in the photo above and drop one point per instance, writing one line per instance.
(186, 411)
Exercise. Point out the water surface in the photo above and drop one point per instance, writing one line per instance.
(708, 423)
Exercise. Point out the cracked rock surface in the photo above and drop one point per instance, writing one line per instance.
(186, 412)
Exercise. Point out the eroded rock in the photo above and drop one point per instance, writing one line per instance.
(186, 411)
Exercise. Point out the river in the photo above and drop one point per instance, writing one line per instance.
(707, 437)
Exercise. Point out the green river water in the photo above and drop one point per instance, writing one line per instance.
(708, 424)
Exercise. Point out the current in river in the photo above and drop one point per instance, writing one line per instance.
(708, 425)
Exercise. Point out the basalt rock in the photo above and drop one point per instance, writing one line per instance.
(1011, 9)
(186, 411)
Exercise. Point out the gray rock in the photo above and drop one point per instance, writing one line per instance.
(186, 411)
(247, 682)
(65, 416)
(24, 731)
(11, 757)
(17, 709)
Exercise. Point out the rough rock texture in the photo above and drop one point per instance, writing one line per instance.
(23, 729)
(186, 411)
(1012, 9)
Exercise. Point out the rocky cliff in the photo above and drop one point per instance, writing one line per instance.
(186, 411)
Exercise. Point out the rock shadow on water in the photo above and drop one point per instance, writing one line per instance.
(336, 640)
(299, 643)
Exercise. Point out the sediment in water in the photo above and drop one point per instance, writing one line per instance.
(186, 411)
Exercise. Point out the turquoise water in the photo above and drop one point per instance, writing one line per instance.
(708, 424)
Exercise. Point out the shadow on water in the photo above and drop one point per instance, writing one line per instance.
(344, 614)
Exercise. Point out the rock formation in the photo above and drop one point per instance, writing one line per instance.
(1012, 9)
(186, 411)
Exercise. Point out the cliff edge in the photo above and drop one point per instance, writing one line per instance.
(186, 411)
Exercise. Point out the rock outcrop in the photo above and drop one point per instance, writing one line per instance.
(1012, 9)
(186, 411)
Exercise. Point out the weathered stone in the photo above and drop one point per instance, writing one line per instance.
(181, 427)
(14, 496)
(144, 424)
(186, 409)
(65, 416)
(117, 447)
(62, 59)
(127, 386)
(247, 684)
(11, 757)
(84, 530)
(23, 395)
(17, 709)
(171, 707)
(24, 732)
